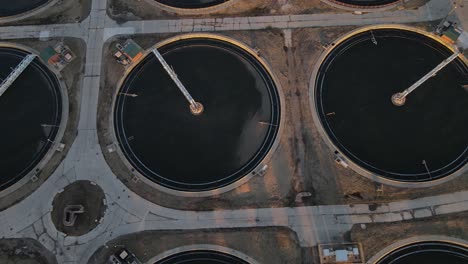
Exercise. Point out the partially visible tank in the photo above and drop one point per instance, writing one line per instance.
(427, 252)
(423, 140)
(30, 116)
(191, 4)
(13, 8)
(201, 257)
(165, 142)
(365, 4)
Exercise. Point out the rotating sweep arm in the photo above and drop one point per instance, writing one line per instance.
(16, 72)
(195, 107)
(399, 99)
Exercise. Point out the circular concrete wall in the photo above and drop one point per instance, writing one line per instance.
(31, 112)
(165, 143)
(422, 141)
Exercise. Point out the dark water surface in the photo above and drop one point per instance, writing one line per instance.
(172, 147)
(427, 253)
(201, 257)
(191, 3)
(10, 8)
(354, 87)
(367, 3)
(32, 100)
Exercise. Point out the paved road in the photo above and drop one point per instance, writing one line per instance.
(127, 212)
(98, 21)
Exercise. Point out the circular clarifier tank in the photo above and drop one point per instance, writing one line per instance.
(168, 144)
(423, 140)
(427, 252)
(191, 4)
(12, 8)
(30, 116)
(201, 257)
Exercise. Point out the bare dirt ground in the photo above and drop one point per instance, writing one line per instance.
(122, 10)
(24, 251)
(297, 164)
(64, 11)
(301, 163)
(72, 77)
(265, 245)
(90, 196)
(358, 189)
(378, 236)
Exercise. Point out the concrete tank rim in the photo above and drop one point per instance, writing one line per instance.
(326, 138)
(210, 247)
(192, 11)
(416, 239)
(24, 15)
(63, 123)
(234, 184)
(356, 8)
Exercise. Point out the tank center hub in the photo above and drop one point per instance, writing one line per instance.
(196, 108)
(398, 99)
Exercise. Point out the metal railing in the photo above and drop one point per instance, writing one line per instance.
(195, 107)
(400, 98)
(15, 73)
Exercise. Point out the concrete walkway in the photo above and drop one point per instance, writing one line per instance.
(127, 212)
(435, 9)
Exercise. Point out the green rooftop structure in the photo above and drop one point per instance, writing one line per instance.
(47, 53)
(131, 50)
